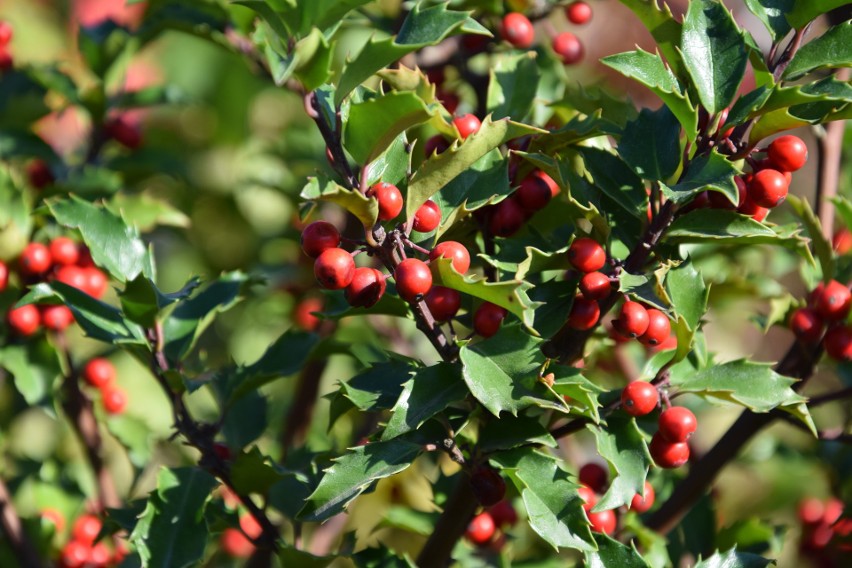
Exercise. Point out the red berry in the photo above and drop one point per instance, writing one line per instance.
(303, 314)
(443, 303)
(788, 153)
(487, 485)
(96, 282)
(768, 188)
(833, 510)
(99, 556)
(754, 211)
(413, 279)
(507, 218)
(235, 544)
(677, 424)
(435, 145)
(56, 318)
(86, 529)
(633, 320)
(639, 398)
(578, 12)
(123, 132)
(642, 504)
(586, 255)
(481, 529)
(389, 198)
(24, 321)
(35, 259)
(488, 318)
(594, 476)
(39, 174)
(659, 328)
(73, 276)
(428, 217)
(4, 276)
(806, 324)
(334, 269)
(535, 193)
(568, 47)
(250, 526)
(584, 314)
(55, 517)
(518, 30)
(318, 237)
(595, 286)
(602, 522)
(838, 343)
(588, 496)
(452, 250)
(75, 554)
(841, 242)
(666, 454)
(832, 302)
(503, 514)
(64, 251)
(467, 125)
(6, 33)
(811, 511)
(114, 399)
(6, 60)
(367, 288)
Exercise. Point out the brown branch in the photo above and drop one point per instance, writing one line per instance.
(780, 66)
(829, 155)
(332, 136)
(22, 547)
(452, 523)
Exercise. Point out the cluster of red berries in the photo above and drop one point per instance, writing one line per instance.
(533, 194)
(62, 260)
(828, 305)
(83, 550)
(6, 33)
(486, 528)
(589, 257)
(238, 542)
(518, 30)
(594, 480)
(100, 373)
(823, 529)
(649, 325)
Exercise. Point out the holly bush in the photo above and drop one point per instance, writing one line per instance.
(555, 317)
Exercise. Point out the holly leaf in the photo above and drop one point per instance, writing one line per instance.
(477, 186)
(33, 366)
(429, 391)
(651, 144)
(833, 49)
(772, 14)
(664, 28)
(707, 172)
(734, 559)
(804, 12)
(323, 189)
(613, 554)
(512, 86)
(622, 445)
(380, 386)
(616, 180)
(374, 124)
(821, 245)
(513, 431)
(688, 293)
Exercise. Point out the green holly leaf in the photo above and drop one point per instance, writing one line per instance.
(569, 382)
(252, 472)
(772, 14)
(831, 50)
(622, 445)
(513, 431)
(688, 293)
(804, 12)
(429, 391)
(616, 180)
(33, 366)
(821, 245)
(392, 165)
(19, 143)
(322, 189)
(512, 86)
(651, 144)
(664, 28)
(375, 123)
(714, 53)
(135, 435)
(480, 184)
(734, 559)
(707, 172)
(613, 554)
(554, 509)
(378, 387)
(353, 473)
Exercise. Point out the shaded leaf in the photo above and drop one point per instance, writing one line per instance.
(734, 559)
(323, 189)
(512, 86)
(833, 49)
(665, 29)
(651, 144)
(622, 445)
(375, 123)
(804, 12)
(707, 172)
(772, 14)
(429, 391)
(613, 554)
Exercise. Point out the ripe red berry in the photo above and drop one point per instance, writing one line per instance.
(518, 30)
(73, 276)
(114, 399)
(96, 282)
(811, 511)
(666, 454)
(236, 544)
(75, 554)
(788, 153)
(595, 476)
(35, 259)
(586, 255)
(602, 522)
(4, 276)
(428, 217)
(589, 497)
(334, 269)
(467, 125)
(413, 279)
(452, 250)
(481, 529)
(639, 398)
(56, 318)
(568, 47)
(838, 343)
(595, 286)
(633, 320)
(443, 303)
(318, 237)
(768, 188)
(841, 242)
(659, 328)
(435, 145)
(806, 324)
(389, 198)
(507, 218)
(99, 555)
(584, 314)
(367, 287)
(578, 12)
(677, 424)
(503, 514)
(99, 372)
(6, 33)
(250, 526)
(39, 174)
(303, 314)
(64, 251)
(488, 318)
(642, 504)
(535, 192)
(86, 529)
(832, 302)
(24, 321)
(756, 212)
(487, 485)
(123, 132)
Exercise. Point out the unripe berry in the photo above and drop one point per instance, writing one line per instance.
(603, 522)
(481, 529)
(788, 153)
(659, 328)
(487, 485)
(367, 288)
(578, 12)
(586, 255)
(318, 237)
(86, 529)
(64, 251)
(642, 504)
(838, 343)
(413, 279)
(517, 30)
(114, 399)
(595, 286)
(507, 218)
(488, 318)
(768, 188)
(467, 125)
(594, 476)
(832, 302)
(56, 318)
(584, 314)
(452, 250)
(588, 496)
(666, 454)
(334, 269)
(24, 321)
(389, 198)
(35, 259)
(806, 324)
(236, 544)
(639, 398)
(428, 217)
(535, 192)
(633, 320)
(55, 517)
(677, 424)
(568, 47)
(435, 145)
(303, 314)
(443, 303)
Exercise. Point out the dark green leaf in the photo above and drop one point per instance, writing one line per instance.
(252, 472)
(392, 165)
(821, 245)
(375, 123)
(734, 559)
(322, 189)
(478, 185)
(772, 14)
(513, 431)
(33, 366)
(139, 301)
(804, 12)
(714, 53)
(380, 386)
(512, 86)
(429, 391)
(22, 143)
(651, 144)
(245, 419)
(833, 49)
(707, 172)
(616, 180)
(621, 444)
(613, 554)
(22, 101)
(665, 29)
